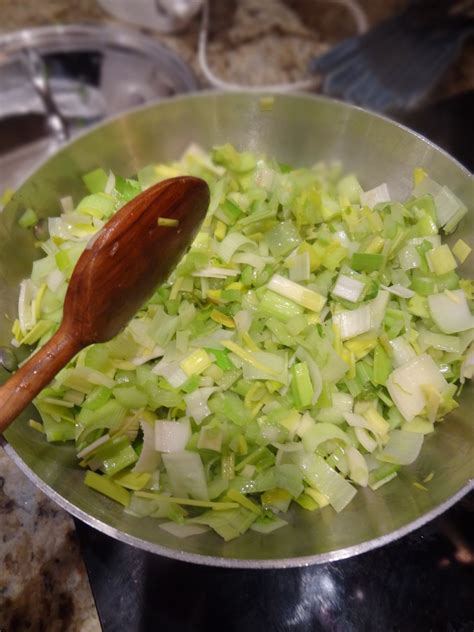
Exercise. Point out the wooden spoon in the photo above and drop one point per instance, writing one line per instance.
(114, 276)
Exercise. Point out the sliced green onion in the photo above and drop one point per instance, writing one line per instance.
(168, 221)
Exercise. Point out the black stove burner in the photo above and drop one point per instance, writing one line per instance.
(423, 582)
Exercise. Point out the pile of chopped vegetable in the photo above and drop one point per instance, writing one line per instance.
(306, 344)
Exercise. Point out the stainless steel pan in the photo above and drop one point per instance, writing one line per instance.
(298, 130)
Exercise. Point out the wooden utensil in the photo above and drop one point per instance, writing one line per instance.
(116, 273)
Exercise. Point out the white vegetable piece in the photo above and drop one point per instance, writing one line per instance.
(297, 293)
(156, 352)
(186, 474)
(171, 371)
(450, 311)
(358, 470)
(348, 288)
(196, 403)
(92, 446)
(341, 403)
(299, 267)
(214, 272)
(405, 384)
(409, 257)
(55, 280)
(375, 196)
(354, 322)
(448, 206)
(365, 439)
(403, 352)
(67, 204)
(26, 313)
(172, 436)
(276, 362)
(110, 184)
(399, 290)
(183, 530)
(402, 448)
(233, 242)
(149, 458)
(377, 308)
(243, 320)
(467, 368)
(434, 240)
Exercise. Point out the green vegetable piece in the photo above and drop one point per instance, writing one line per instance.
(28, 219)
(107, 487)
(366, 262)
(231, 211)
(301, 385)
(130, 396)
(98, 205)
(127, 188)
(227, 156)
(119, 460)
(279, 307)
(382, 366)
(222, 359)
(98, 398)
(57, 430)
(95, 181)
(283, 238)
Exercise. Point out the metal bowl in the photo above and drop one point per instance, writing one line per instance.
(297, 130)
(93, 71)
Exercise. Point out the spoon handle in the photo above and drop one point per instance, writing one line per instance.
(34, 375)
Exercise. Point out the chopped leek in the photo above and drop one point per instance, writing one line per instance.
(461, 250)
(297, 293)
(311, 337)
(402, 447)
(450, 311)
(405, 384)
(168, 222)
(28, 218)
(348, 288)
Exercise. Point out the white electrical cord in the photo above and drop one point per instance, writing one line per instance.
(353, 7)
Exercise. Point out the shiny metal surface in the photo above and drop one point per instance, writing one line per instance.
(298, 130)
(56, 80)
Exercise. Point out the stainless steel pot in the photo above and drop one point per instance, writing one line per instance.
(297, 130)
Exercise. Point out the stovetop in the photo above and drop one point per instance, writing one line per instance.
(422, 582)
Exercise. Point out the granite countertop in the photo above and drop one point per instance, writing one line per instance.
(43, 580)
(43, 583)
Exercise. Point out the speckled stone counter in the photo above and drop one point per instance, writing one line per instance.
(43, 582)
